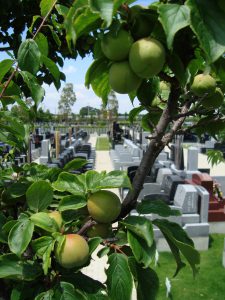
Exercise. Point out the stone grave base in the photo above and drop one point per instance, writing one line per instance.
(217, 227)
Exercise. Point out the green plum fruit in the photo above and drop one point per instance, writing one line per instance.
(100, 229)
(203, 84)
(116, 48)
(74, 251)
(147, 57)
(122, 79)
(104, 206)
(214, 100)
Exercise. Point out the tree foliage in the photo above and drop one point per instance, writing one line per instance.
(67, 100)
(192, 43)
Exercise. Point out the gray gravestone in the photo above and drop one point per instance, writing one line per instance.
(161, 175)
(204, 204)
(45, 151)
(186, 197)
(192, 159)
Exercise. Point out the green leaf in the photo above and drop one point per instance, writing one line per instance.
(177, 67)
(98, 76)
(37, 92)
(43, 221)
(104, 7)
(104, 251)
(85, 22)
(43, 248)
(45, 295)
(119, 279)
(5, 66)
(179, 242)
(62, 9)
(69, 292)
(173, 17)
(115, 179)
(135, 112)
(39, 195)
(156, 207)
(147, 91)
(210, 33)
(20, 236)
(141, 227)
(42, 43)
(12, 268)
(67, 182)
(214, 157)
(3, 237)
(93, 243)
(54, 70)
(146, 281)
(29, 56)
(46, 6)
(72, 202)
(75, 164)
(141, 251)
(16, 190)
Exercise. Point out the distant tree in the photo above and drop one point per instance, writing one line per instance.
(113, 104)
(67, 100)
(88, 110)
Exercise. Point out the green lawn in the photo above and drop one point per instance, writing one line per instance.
(209, 284)
(102, 143)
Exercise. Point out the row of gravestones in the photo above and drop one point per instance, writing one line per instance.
(187, 190)
(69, 150)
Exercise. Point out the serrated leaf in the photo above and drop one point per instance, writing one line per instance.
(211, 34)
(17, 189)
(5, 66)
(20, 236)
(173, 17)
(62, 9)
(179, 242)
(146, 281)
(141, 227)
(141, 251)
(39, 195)
(42, 43)
(29, 56)
(156, 207)
(37, 92)
(43, 221)
(46, 6)
(104, 7)
(119, 279)
(72, 202)
(75, 164)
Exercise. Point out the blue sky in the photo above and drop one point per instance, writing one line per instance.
(75, 73)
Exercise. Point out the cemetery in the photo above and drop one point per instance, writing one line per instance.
(112, 150)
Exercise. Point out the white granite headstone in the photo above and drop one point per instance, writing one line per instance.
(186, 196)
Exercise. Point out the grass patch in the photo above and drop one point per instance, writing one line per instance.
(209, 283)
(102, 144)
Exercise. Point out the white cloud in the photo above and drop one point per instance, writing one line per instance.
(69, 70)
